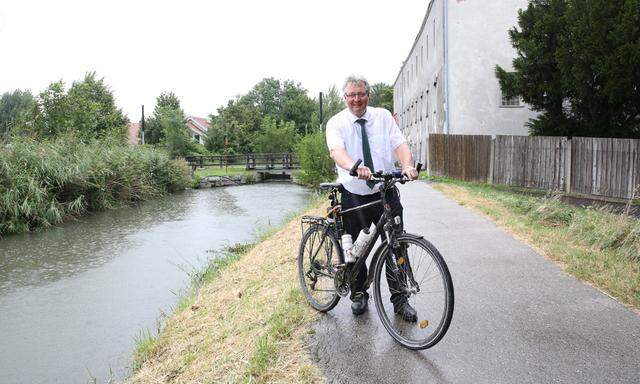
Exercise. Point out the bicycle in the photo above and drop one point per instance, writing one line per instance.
(411, 262)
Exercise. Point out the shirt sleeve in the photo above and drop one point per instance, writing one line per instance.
(334, 135)
(395, 135)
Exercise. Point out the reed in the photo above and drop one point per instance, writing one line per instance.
(43, 183)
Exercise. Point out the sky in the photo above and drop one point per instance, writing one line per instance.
(206, 52)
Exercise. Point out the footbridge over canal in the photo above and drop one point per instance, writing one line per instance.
(270, 165)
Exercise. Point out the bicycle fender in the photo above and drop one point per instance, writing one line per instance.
(382, 248)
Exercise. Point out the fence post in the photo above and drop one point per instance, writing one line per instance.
(491, 154)
(567, 166)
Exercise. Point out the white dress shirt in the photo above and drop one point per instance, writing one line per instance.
(384, 137)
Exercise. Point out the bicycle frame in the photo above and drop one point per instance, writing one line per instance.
(384, 225)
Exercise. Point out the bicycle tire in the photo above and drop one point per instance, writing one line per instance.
(433, 301)
(321, 268)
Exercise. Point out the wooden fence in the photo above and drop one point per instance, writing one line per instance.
(463, 157)
(605, 167)
(532, 162)
(582, 166)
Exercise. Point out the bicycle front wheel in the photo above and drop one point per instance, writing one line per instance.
(317, 258)
(414, 273)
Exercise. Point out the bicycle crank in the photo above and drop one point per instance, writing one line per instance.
(340, 282)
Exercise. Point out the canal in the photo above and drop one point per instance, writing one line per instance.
(74, 297)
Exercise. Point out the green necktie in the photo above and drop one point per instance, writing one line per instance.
(366, 151)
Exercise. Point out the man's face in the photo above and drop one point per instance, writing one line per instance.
(357, 98)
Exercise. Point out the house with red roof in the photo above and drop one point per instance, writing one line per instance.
(198, 127)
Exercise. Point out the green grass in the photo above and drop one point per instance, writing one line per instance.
(281, 325)
(217, 171)
(592, 244)
(145, 347)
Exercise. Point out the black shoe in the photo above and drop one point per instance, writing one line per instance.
(406, 311)
(360, 303)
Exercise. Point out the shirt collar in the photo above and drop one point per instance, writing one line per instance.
(354, 118)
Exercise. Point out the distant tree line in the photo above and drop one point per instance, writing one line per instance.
(578, 64)
(274, 116)
(86, 109)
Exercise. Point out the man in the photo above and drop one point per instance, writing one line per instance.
(370, 134)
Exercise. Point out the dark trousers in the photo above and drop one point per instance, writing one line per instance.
(362, 218)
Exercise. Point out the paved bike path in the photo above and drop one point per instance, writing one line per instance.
(518, 317)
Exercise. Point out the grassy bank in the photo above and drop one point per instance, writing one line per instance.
(45, 182)
(245, 322)
(232, 170)
(594, 245)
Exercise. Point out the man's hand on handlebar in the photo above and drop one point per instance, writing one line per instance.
(410, 172)
(364, 173)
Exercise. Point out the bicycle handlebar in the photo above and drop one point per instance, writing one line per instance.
(354, 170)
(379, 176)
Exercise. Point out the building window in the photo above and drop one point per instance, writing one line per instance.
(427, 50)
(510, 102)
(434, 33)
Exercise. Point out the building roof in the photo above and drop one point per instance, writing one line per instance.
(198, 125)
(132, 133)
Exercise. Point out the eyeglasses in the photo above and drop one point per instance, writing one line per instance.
(353, 95)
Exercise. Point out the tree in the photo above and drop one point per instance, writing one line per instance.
(381, 95)
(176, 134)
(52, 111)
(332, 103)
(296, 106)
(577, 64)
(15, 108)
(93, 110)
(283, 100)
(153, 130)
(88, 109)
(236, 125)
(274, 137)
(166, 100)
(315, 163)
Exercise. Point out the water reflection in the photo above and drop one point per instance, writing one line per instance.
(75, 296)
(43, 257)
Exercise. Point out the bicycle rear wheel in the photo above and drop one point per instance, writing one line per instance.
(317, 258)
(417, 273)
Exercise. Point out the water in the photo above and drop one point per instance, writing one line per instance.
(73, 298)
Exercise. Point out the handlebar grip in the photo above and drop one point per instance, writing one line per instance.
(354, 170)
(418, 167)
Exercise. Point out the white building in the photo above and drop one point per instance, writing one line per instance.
(447, 84)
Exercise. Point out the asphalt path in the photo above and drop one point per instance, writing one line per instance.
(518, 317)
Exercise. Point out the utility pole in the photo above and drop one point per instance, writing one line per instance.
(142, 126)
(320, 118)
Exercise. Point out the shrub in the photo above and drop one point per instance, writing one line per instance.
(315, 163)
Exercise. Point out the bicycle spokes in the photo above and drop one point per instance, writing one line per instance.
(414, 276)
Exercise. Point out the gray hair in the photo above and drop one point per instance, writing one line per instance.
(355, 79)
